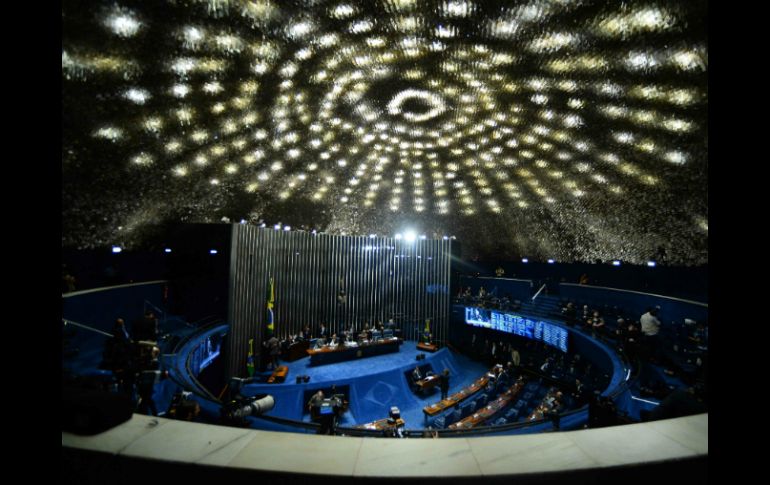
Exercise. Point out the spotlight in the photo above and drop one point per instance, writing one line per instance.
(551, 261)
(116, 249)
(410, 236)
(423, 237)
(243, 221)
(446, 238)
(372, 236)
(398, 236)
(213, 251)
(314, 232)
(167, 250)
(616, 263)
(277, 226)
(263, 225)
(651, 264)
(524, 260)
(287, 228)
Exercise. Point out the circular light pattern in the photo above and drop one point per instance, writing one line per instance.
(566, 128)
(434, 102)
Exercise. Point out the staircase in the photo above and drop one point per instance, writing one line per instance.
(544, 306)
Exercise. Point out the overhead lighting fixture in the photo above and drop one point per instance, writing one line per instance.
(213, 251)
(616, 263)
(551, 261)
(116, 249)
(167, 250)
(651, 264)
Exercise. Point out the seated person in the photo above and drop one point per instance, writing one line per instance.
(320, 343)
(335, 341)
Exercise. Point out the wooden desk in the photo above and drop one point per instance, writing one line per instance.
(427, 347)
(381, 424)
(457, 397)
(541, 409)
(297, 350)
(329, 355)
(490, 410)
(279, 375)
(428, 383)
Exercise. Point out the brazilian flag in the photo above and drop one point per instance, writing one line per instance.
(270, 303)
(250, 367)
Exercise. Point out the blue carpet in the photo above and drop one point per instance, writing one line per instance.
(376, 383)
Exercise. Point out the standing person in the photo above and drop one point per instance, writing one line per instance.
(146, 388)
(416, 374)
(274, 348)
(444, 384)
(650, 329)
(118, 356)
(315, 401)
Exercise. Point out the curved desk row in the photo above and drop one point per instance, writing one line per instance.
(330, 355)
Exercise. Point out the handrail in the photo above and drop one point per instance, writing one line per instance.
(70, 322)
(538, 292)
(691, 302)
(104, 288)
(497, 278)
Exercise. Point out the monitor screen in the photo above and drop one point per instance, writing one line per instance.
(552, 335)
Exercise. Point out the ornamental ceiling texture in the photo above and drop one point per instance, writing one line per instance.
(567, 129)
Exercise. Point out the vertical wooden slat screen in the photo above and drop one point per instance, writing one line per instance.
(382, 278)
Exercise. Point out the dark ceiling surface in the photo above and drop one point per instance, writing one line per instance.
(566, 129)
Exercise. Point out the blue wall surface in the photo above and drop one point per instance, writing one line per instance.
(517, 289)
(635, 304)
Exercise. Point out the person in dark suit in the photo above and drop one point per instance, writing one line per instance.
(416, 374)
(306, 333)
(324, 332)
(148, 379)
(444, 384)
(274, 348)
(316, 400)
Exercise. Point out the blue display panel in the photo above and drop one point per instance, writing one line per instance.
(552, 335)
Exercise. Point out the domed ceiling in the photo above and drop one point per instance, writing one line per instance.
(566, 129)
